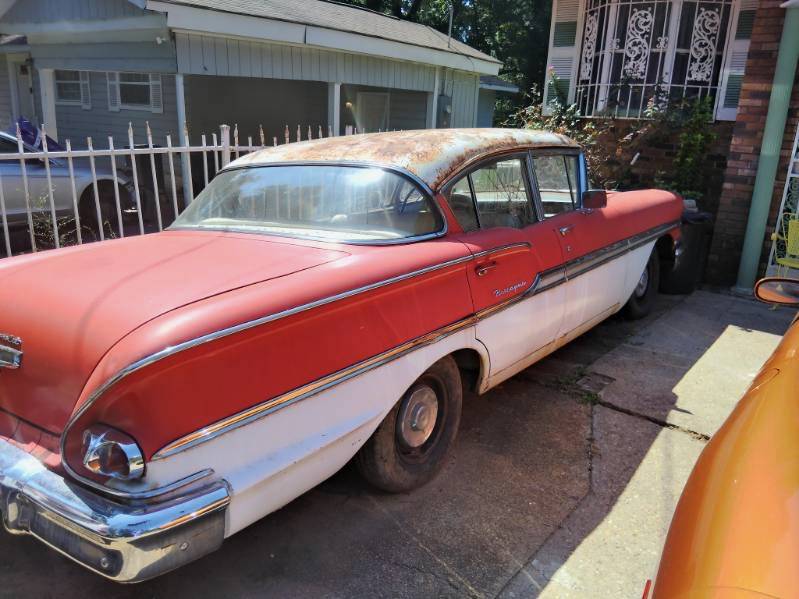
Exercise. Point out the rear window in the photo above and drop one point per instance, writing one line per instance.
(335, 202)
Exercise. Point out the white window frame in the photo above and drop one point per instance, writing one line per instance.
(83, 83)
(154, 85)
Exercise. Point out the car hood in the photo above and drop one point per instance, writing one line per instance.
(70, 306)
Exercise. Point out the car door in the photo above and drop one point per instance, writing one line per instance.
(592, 284)
(513, 252)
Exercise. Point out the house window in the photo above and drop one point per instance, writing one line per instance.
(72, 88)
(632, 54)
(134, 91)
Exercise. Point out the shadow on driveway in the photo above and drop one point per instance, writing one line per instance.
(533, 455)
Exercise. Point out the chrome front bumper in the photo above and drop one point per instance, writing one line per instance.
(124, 542)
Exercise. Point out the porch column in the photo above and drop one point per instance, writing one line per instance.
(770, 149)
(47, 87)
(180, 96)
(334, 107)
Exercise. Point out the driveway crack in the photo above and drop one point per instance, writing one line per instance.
(662, 423)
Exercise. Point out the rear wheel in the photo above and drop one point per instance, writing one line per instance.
(412, 443)
(87, 208)
(643, 297)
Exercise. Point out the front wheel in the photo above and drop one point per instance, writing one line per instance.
(412, 443)
(643, 297)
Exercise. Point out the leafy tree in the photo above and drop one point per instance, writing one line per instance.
(514, 31)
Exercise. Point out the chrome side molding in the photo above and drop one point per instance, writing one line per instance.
(543, 282)
(10, 351)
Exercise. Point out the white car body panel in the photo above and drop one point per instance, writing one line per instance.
(271, 461)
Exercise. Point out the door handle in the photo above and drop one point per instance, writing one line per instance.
(565, 230)
(483, 269)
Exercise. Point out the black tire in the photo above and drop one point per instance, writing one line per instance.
(87, 208)
(643, 297)
(388, 460)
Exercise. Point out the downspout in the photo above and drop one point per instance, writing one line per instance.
(768, 163)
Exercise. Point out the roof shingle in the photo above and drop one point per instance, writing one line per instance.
(341, 17)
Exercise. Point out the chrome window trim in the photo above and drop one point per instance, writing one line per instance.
(577, 205)
(476, 164)
(544, 281)
(470, 164)
(404, 173)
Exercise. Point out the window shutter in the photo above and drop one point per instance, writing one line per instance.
(85, 91)
(564, 49)
(156, 95)
(113, 91)
(735, 61)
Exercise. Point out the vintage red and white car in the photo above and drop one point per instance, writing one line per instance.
(318, 301)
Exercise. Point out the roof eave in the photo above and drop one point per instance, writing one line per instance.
(507, 89)
(192, 19)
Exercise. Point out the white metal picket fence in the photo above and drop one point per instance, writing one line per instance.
(50, 198)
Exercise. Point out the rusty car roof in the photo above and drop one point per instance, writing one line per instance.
(430, 154)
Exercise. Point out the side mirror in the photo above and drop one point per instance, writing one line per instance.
(593, 199)
(778, 290)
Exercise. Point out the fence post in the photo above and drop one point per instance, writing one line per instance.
(224, 131)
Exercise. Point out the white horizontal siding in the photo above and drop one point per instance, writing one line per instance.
(462, 87)
(208, 55)
(75, 123)
(147, 57)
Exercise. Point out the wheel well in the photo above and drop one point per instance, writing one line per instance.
(470, 364)
(665, 249)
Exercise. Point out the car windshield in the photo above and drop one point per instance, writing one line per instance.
(335, 202)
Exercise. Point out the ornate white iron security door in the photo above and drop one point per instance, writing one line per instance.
(636, 52)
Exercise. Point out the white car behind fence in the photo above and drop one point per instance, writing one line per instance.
(51, 198)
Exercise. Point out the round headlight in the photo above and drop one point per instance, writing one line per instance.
(109, 452)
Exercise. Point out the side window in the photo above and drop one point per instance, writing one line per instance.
(556, 176)
(499, 193)
(462, 205)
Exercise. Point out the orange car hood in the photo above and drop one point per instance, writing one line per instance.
(71, 306)
(736, 527)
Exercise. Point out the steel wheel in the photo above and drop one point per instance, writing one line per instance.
(412, 443)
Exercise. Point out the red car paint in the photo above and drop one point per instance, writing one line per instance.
(120, 301)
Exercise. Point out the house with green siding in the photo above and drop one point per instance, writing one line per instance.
(90, 67)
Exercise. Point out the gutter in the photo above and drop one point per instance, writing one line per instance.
(773, 132)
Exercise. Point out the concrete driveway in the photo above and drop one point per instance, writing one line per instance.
(562, 485)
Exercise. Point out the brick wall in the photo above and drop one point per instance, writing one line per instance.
(739, 178)
(655, 158)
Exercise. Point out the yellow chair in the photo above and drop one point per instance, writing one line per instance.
(789, 236)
